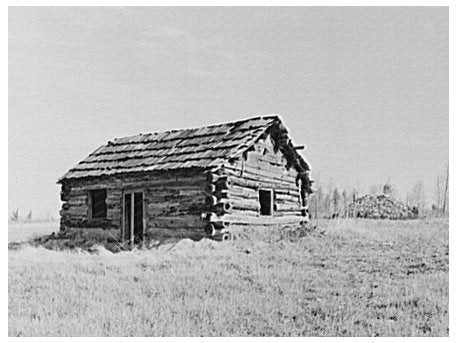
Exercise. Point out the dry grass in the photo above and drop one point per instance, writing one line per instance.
(25, 231)
(361, 278)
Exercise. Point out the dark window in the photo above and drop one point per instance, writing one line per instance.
(98, 203)
(266, 202)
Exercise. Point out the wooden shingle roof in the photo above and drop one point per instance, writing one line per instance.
(203, 147)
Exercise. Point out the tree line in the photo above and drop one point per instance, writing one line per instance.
(329, 201)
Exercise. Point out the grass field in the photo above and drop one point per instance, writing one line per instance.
(360, 278)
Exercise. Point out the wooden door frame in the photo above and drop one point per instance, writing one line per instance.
(132, 192)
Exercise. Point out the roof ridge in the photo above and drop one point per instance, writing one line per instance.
(236, 122)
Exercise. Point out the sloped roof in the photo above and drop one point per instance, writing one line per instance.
(203, 147)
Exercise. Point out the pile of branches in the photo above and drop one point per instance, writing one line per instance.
(381, 206)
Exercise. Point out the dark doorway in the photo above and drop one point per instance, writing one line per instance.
(138, 217)
(133, 216)
(266, 202)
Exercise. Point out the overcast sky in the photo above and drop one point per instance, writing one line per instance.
(365, 89)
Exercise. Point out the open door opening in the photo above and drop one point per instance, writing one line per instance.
(133, 217)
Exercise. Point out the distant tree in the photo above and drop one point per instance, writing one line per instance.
(387, 189)
(446, 190)
(15, 216)
(354, 195)
(418, 196)
(327, 204)
(345, 203)
(438, 194)
(408, 199)
(336, 199)
(29, 216)
(316, 207)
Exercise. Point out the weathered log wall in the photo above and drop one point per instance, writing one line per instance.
(233, 190)
(173, 202)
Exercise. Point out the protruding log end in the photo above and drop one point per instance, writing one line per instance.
(210, 188)
(210, 230)
(222, 236)
(226, 236)
(211, 177)
(211, 200)
(223, 183)
(223, 207)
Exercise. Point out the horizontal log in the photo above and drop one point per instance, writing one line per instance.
(176, 211)
(239, 204)
(259, 161)
(163, 204)
(241, 213)
(286, 197)
(238, 192)
(113, 195)
(277, 169)
(121, 180)
(77, 201)
(292, 191)
(178, 233)
(159, 198)
(112, 205)
(268, 174)
(244, 182)
(244, 191)
(70, 216)
(287, 213)
(190, 192)
(113, 211)
(255, 181)
(100, 232)
(261, 220)
(77, 210)
(77, 193)
(287, 207)
(250, 172)
(172, 222)
(275, 160)
(154, 184)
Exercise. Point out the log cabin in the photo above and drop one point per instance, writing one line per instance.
(190, 182)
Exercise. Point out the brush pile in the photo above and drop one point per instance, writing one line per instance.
(381, 207)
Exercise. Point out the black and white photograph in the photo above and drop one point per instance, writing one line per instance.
(228, 171)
